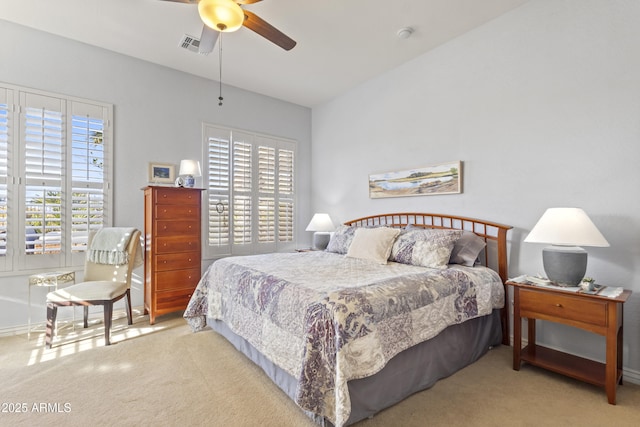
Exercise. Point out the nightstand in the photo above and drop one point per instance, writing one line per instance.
(597, 314)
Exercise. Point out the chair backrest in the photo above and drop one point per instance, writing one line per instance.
(115, 273)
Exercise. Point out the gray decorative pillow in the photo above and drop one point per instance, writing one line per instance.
(425, 247)
(466, 249)
(341, 239)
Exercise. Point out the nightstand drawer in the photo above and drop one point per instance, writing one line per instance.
(563, 307)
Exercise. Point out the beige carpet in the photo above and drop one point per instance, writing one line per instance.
(165, 375)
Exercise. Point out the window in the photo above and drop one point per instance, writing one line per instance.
(251, 193)
(55, 174)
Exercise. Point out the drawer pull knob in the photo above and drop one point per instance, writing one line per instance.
(559, 305)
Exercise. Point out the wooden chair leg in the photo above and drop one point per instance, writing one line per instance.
(108, 315)
(52, 313)
(86, 316)
(128, 305)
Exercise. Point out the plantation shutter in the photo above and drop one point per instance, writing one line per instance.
(217, 154)
(285, 195)
(89, 164)
(250, 183)
(55, 169)
(242, 172)
(43, 162)
(6, 105)
(266, 197)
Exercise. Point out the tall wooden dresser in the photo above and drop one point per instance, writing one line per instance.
(172, 248)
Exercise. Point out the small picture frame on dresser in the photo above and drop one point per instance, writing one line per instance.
(162, 173)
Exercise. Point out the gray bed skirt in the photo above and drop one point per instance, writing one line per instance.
(412, 370)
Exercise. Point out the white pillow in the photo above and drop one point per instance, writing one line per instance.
(373, 243)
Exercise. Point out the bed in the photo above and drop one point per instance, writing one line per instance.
(396, 302)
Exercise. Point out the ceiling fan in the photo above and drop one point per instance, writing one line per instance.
(227, 16)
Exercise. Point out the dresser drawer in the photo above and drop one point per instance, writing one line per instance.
(166, 302)
(177, 279)
(563, 307)
(175, 211)
(164, 245)
(173, 196)
(173, 228)
(177, 261)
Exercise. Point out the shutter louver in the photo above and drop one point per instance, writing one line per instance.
(266, 190)
(285, 220)
(242, 187)
(4, 170)
(266, 169)
(218, 190)
(242, 167)
(241, 220)
(285, 193)
(87, 179)
(267, 219)
(218, 221)
(218, 164)
(43, 175)
(285, 172)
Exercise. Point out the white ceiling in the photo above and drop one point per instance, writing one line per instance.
(340, 43)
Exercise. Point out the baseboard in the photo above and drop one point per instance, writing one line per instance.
(97, 316)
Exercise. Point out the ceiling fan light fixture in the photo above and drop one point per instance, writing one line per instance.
(221, 15)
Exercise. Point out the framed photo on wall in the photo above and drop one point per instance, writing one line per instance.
(162, 173)
(443, 178)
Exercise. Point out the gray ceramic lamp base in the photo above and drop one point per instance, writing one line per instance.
(320, 240)
(565, 265)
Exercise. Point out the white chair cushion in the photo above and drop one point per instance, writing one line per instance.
(88, 291)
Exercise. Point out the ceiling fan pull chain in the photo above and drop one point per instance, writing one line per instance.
(220, 63)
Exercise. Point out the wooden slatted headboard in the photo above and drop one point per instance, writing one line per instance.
(495, 236)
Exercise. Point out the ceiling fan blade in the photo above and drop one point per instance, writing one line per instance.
(246, 1)
(268, 31)
(208, 40)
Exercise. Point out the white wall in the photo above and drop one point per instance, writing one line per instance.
(543, 107)
(158, 116)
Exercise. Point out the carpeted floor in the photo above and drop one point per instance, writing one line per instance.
(166, 375)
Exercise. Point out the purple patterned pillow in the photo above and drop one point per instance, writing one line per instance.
(341, 239)
(425, 247)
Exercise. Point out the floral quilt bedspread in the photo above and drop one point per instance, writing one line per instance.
(326, 319)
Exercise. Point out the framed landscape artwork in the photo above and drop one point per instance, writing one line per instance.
(162, 173)
(443, 178)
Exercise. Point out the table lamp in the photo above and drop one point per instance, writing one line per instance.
(321, 225)
(189, 169)
(566, 229)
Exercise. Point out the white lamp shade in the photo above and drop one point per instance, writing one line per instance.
(566, 227)
(320, 222)
(190, 167)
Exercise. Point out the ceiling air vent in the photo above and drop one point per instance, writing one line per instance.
(190, 43)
